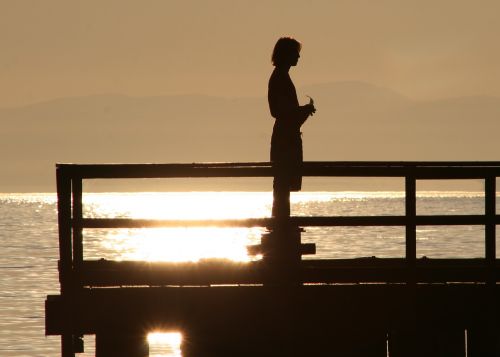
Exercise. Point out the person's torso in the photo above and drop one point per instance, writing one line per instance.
(282, 97)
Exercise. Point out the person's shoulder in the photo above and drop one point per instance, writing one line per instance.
(278, 76)
(279, 73)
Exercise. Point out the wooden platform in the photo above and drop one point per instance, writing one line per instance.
(282, 305)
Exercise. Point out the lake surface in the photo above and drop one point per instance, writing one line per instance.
(28, 237)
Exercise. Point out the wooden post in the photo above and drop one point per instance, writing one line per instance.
(77, 222)
(65, 255)
(116, 344)
(64, 223)
(437, 341)
(411, 232)
(490, 255)
(411, 226)
(482, 343)
(490, 228)
(403, 341)
(482, 338)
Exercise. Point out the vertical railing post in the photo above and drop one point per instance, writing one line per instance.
(65, 253)
(77, 222)
(490, 228)
(77, 245)
(64, 223)
(490, 257)
(405, 338)
(482, 334)
(411, 226)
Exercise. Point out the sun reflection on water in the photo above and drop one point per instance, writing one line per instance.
(180, 243)
(163, 344)
(179, 205)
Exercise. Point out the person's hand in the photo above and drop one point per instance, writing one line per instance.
(310, 109)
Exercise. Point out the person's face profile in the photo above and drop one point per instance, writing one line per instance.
(294, 58)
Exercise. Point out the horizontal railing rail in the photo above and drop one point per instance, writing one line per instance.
(306, 221)
(421, 170)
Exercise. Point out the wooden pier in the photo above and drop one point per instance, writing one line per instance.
(281, 305)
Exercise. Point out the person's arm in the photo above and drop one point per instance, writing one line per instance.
(284, 104)
(304, 112)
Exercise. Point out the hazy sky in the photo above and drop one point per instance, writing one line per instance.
(425, 49)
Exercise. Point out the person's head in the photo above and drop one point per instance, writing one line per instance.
(286, 52)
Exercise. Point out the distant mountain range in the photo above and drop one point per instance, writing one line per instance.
(355, 121)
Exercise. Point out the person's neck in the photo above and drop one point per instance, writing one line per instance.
(284, 69)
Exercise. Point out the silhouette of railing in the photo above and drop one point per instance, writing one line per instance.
(77, 273)
(72, 223)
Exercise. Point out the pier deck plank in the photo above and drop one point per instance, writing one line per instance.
(101, 273)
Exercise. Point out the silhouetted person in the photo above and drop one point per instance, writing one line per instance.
(286, 141)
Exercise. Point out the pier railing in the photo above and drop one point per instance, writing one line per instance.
(75, 270)
(299, 304)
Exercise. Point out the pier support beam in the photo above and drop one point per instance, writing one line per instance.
(427, 341)
(483, 341)
(109, 344)
(287, 340)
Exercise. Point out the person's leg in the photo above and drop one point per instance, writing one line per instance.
(281, 197)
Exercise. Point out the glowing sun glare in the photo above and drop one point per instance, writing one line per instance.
(165, 344)
(179, 243)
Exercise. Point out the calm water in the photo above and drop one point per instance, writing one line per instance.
(28, 237)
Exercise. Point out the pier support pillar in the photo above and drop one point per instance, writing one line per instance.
(483, 342)
(121, 344)
(427, 342)
(287, 341)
